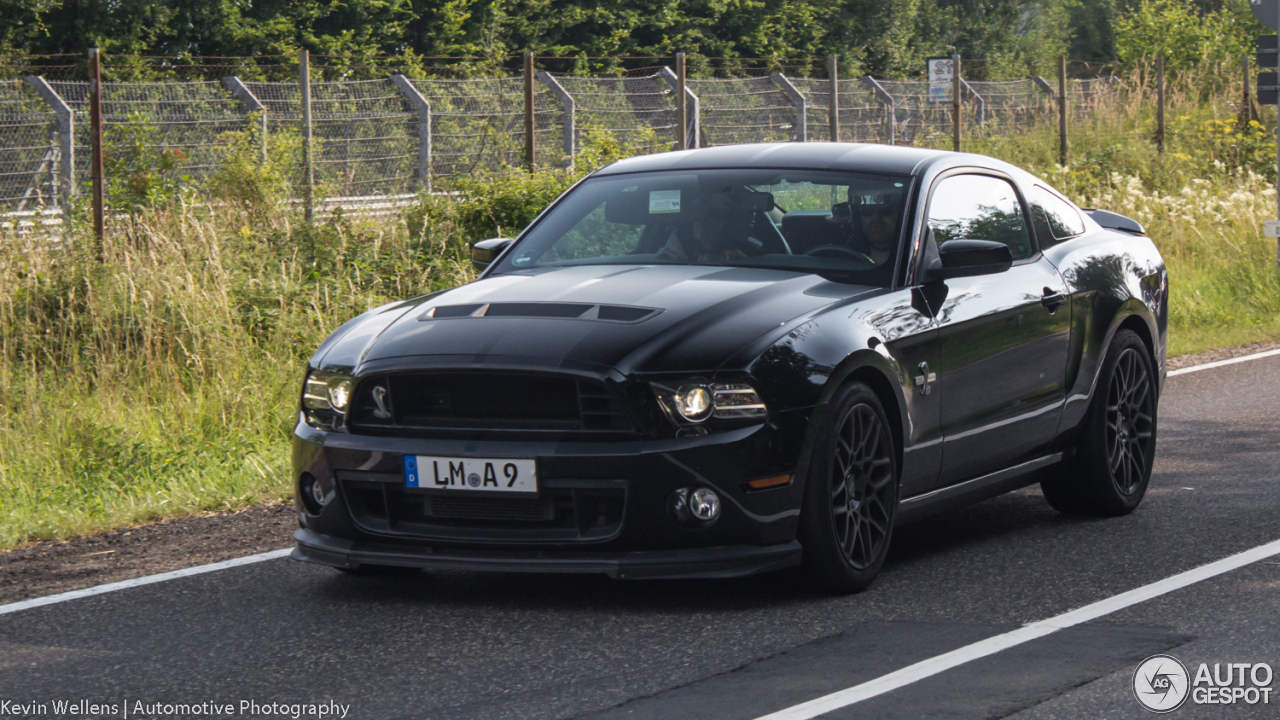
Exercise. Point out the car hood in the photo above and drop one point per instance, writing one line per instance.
(663, 318)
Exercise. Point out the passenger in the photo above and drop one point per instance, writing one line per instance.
(700, 241)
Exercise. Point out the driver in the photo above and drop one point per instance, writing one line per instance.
(871, 223)
(876, 219)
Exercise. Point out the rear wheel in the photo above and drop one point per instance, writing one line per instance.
(1112, 467)
(851, 493)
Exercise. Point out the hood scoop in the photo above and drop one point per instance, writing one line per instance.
(563, 311)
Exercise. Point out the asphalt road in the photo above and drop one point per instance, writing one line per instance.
(508, 646)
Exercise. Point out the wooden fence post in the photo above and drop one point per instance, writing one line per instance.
(1160, 103)
(97, 171)
(682, 106)
(309, 175)
(1062, 110)
(955, 103)
(528, 112)
(833, 72)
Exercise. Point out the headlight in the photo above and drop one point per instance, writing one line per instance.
(325, 397)
(695, 402)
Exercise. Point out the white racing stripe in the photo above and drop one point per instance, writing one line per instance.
(990, 646)
(137, 582)
(1220, 363)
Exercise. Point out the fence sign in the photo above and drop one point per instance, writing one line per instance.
(940, 80)
(1266, 12)
(1266, 51)
(1268, 88)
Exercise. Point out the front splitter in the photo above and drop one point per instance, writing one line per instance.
(712, 562)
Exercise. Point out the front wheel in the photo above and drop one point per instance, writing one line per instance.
(851, 493)
(1110, 473)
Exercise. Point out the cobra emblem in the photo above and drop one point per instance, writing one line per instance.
(382, 412)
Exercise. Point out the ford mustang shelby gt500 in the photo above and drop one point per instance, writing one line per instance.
(725, 361)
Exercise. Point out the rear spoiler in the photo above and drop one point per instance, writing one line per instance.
(1115, 221)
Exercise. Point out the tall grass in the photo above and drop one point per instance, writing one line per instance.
(1202, 201)
(163, 381)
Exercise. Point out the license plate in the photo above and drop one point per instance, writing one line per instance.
(471, 474)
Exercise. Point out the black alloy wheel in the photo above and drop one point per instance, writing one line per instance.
(1131, 435)
(851, 493)
(861, 487)
(1112, 467)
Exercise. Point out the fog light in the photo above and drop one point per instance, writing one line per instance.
(315, 493)
(704, 504)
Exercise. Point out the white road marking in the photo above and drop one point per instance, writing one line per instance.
(990, 646)
(147, 580)
(1220, 363)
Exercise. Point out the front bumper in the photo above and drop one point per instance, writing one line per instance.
(712, 562)
(374, 519)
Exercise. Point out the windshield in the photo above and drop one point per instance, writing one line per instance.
(846, 226)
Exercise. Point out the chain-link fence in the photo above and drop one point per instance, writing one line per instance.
(398, 134)
(29, 156)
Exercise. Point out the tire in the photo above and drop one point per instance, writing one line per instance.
(1112, 467)
(850, 494)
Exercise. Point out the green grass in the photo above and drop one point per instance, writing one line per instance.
(1202, 201)
(163, 381)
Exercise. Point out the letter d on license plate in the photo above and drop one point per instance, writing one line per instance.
(471, 474)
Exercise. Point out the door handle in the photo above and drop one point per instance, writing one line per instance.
(1051, 300)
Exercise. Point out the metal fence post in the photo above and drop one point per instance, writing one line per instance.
(890, 113)
(955, 103)
(566, 101)
(979, 102)
(304, 84)
(97, 171)
(833, 73)
(1160, 103)
(66, 134)
(529, 148)
(797, 99)
(252, 104)
(419, 103)
(692, 122)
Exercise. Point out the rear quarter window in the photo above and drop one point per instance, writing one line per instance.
(1056, 220)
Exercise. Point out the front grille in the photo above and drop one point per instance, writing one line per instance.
(576, 510)
(402, 403)
(482, 508)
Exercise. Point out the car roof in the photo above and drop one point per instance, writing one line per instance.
(865, 157)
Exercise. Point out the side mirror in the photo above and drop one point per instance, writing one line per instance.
(484, 252)
(966, 258)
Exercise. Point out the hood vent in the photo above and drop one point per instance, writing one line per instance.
(563, 311)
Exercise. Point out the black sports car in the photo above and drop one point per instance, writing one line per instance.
(725, 361)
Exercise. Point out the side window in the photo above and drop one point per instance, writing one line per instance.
(979, 207)
(1055, 219)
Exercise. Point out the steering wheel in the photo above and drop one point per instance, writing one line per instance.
(841, 250)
